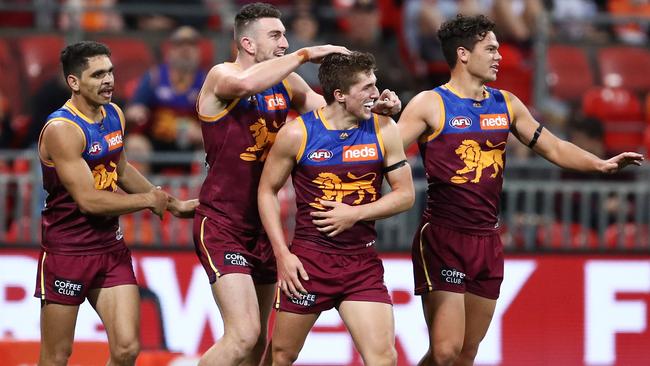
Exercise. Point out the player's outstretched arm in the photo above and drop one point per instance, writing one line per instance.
(421, 115)
(340, 216)
(228, 81)
(278, 166)
(559, 152)
(132, 181)
(62, 144)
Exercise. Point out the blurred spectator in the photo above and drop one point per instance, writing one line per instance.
(633, 33)
(572, 20)
(304, 29)
(139, 149)
(154, 20)
(364, 35)
(163, 107)
(103, 16)
(6, 132)
(48, 98)
(516, 19)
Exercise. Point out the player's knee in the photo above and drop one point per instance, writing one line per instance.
(244, 341)
(283, 356)
(59, 356)
(386, 357)
(444, 354)
(125, 353)
(468, 353)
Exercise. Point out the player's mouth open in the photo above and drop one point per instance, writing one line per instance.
(106, 93)
(369, 104)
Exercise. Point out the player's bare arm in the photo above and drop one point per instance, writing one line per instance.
(340, 216)
(62, 143)
(421, 116)
(560, 152)
(232, 82)
(278, 166)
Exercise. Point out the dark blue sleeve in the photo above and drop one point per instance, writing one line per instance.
(144, 94)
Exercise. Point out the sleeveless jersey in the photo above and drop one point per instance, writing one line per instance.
(237, 142)
(337, 165)
(464, 160)
(66, 230)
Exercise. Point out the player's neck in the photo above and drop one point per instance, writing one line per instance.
(466, 86)
(244, 60)
(338, 118)
(93, 112)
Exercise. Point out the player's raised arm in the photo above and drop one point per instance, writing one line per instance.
(561, 152)
(278, 166)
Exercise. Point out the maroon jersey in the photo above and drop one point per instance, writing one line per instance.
(337, 165)
(464, 160)
(237, 142)
(66, 230)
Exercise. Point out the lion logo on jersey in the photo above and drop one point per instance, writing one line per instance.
(104, 178)
(334, 189)
(263, 138)
(476, 160)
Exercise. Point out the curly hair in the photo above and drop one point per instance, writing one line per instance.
(463, 31)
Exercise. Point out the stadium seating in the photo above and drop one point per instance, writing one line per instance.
(40, 58)
(625, 66)
(131, 59)
(620, 111)
(569, 73)
(553, 236)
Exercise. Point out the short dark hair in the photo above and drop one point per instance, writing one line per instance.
(339, 71)
(462, 31)
(252, 12)
(74, 57)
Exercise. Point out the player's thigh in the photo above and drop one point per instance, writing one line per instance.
(237, 301)
(371, 325)
(478, 315)
(445, 314)
(57, 326)
(290, 331)
(119, 309)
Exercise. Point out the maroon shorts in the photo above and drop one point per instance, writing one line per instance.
(66, 279)
(449, 260)
(334, 278)
(223, 250)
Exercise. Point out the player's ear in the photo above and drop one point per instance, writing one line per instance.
(339, 96)
(462, 53)
(73, 82)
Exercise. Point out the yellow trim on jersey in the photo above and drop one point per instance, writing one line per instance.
(506, 96)
(221, 114)
(78, 113)
(120, 114)
(424, 264)
(303, 143)
(50, 163)
(42, 275)
(456, 93)
(441, 120)
(380, 139)
(277, 297)
(322, 118)
(287, 86)
(205, 249)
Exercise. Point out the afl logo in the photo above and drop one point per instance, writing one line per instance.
(95, 149)
(460, 122)
(320, 155)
